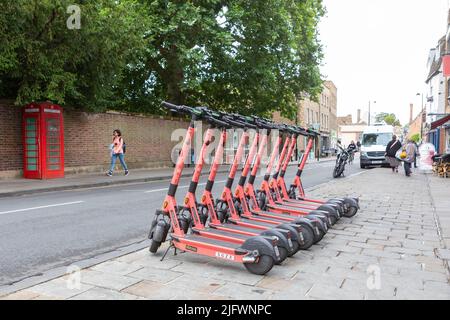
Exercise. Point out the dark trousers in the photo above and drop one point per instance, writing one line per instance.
(407, 166)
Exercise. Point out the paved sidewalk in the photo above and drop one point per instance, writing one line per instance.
(396, 247)
(15, 187)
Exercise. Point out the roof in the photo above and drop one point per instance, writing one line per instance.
(437, 62)
(440, 123)
(347, 120)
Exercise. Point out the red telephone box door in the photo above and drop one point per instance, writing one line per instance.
(32, 163)
(53, 162)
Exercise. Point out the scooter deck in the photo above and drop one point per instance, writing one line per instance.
(224, 233)
(209, 241)
(236, 227)
(243, 220)
(294, 205)
(288, 209)
(272, 216)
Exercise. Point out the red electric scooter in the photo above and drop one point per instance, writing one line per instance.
(289, 237)
(270, 198)
(231, 217)
(312, 224)
(279, 193)
(224, 233)
(236, 209)
(350, 206)
(258, 253)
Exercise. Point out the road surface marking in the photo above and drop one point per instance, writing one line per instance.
(182, 187)
(43, 207)
(357, 174)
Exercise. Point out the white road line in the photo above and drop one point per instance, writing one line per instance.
(156, 190)
(182, 187)
(43, 207)
(357, 174)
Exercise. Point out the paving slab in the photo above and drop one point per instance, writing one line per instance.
(104, 294)
(107, 280)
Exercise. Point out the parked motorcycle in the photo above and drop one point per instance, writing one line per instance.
(341, 161)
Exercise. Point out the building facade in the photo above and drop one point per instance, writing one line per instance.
(321, 116)
(348, 130)
(437, 108)
(415, 126)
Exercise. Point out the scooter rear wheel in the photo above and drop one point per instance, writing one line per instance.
(283, 255)
(319, 237)
(351, 212)
(154, 246)
(295, 248)
(264, 264)
(308, 237)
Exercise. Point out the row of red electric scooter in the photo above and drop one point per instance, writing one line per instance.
(257, 227)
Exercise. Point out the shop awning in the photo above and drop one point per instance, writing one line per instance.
(440, 122)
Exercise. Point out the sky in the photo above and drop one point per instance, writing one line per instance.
(377, 50)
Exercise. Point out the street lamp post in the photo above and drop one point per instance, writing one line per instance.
(421, 117)
(369, 110)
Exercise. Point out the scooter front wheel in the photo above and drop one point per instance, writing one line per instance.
(264, 264)
(154, 246)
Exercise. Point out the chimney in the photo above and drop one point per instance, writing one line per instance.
(359, 116)
(411, 113)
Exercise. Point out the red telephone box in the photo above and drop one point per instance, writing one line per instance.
(43, 141)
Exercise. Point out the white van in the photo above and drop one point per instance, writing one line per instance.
(373, 145)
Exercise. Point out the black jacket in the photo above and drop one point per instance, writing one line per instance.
(391, 149)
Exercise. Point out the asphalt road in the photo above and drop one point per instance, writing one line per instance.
(43, 231)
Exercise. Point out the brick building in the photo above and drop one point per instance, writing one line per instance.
(348, 130)
(415, 124)
(320, 116)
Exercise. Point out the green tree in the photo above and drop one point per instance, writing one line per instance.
(237, 55)
(41, 58)
(416, 138)
(389, 118)
(248, 56)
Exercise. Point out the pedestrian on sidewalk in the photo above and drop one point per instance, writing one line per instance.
(409, 160)
(391, 150)
(117, 152)
(416, 153)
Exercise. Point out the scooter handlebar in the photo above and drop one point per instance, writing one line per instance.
(240, 123)
(176, 108)
(217, 122)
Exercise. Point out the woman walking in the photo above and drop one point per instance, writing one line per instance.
(409, 160)
(391, 151)
(117, 152)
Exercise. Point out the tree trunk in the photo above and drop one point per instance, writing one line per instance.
(174, 79)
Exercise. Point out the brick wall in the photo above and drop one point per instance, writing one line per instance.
(11, 151)
(87, 137)
(415, 126)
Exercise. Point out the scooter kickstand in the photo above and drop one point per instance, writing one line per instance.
(167, 251)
